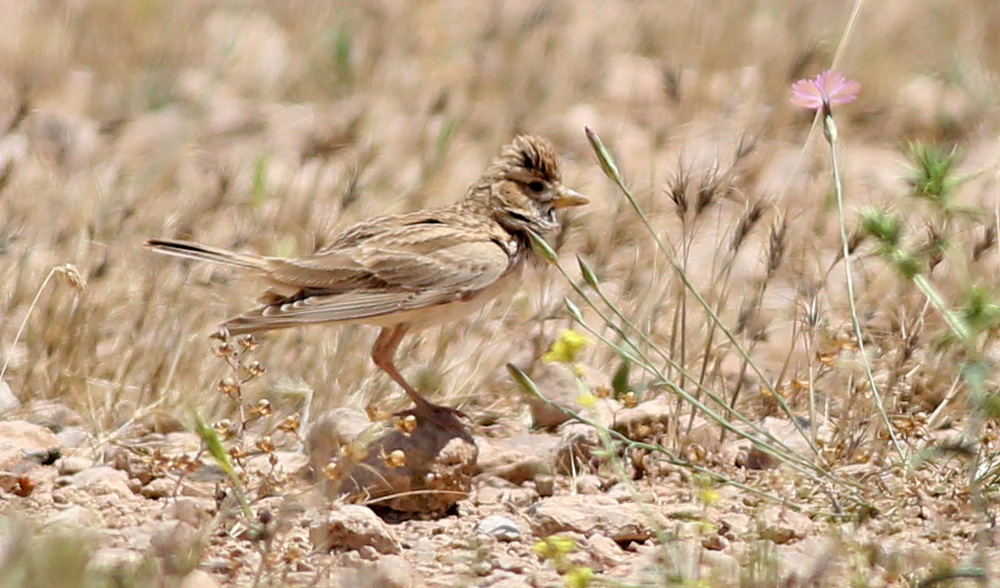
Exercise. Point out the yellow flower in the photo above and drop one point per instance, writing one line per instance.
(709, 496)
(578, 577)
(566, 347)
(586, 400)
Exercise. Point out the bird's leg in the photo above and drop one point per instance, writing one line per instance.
(383, 352)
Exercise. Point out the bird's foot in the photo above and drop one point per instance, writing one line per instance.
(443, 417)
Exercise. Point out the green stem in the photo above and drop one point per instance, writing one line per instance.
(830, 131)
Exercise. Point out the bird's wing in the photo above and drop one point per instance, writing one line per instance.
(390, 272)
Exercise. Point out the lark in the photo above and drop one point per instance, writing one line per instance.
(409, 271)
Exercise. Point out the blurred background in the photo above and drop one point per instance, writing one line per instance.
(268, 126)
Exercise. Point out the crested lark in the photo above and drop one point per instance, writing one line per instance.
(409, 271)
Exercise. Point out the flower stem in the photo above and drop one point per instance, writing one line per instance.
(830, 131)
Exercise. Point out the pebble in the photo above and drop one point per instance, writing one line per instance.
(351, 526)
(500, 527)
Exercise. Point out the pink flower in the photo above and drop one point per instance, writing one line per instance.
(827, 89)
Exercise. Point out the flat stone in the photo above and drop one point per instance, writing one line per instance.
(75, 516)
(351, 526)
(28, 437)
(101, 480)
(500, 527)
(392, 571)
(158, 488)
(193, 511)
(199, 579)
(588, 515)
(68, 466)
(516, 459)
(575, 451)
(8, 400)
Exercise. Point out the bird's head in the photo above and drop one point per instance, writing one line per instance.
(526, 187)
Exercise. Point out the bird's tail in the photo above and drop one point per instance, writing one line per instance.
(204, 253)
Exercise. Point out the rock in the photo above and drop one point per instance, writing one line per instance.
(805, 559)
(646, 420)
(575, 450)
(516, 459)
(287, 462)
(592, 515)
(158, 488)
(784, 526)
(102, 480)
(589, 484)
(32, 440)
(199, 579)
(512, 581)
(75, 516)
(351, 527)
(115, 562)
(392, 571)
(52, 415)
(604, 551)
(74, 437)
(67, 466)
(500, 527)
(545, 485)
(8, 400)
(193, 511)
(734, 526)
(177, 544)
(720, 565)
(426, 470)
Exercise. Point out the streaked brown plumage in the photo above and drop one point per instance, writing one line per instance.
(409, 271)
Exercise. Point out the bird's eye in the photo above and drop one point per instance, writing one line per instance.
(536, 186)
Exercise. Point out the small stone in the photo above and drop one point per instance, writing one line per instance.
(575, 450)
(592, 514)
(74, 437)
(193, 511)
(158, 488)
(516, 459)
(646, 420)
(393, 571)
(52, 415)
(605, 552)
(784, 526)
(350, 527)
(8, 400)
(29, 438)
(589, 484)
(500, 527)
(482, 568)
(714, 542)
(199, 579)
(67, 466)
(176, 544)
(75, 516)
(115, 562)
(512, 581)
(102, 480)
(545, 485)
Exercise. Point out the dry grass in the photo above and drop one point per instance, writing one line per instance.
(267, 126)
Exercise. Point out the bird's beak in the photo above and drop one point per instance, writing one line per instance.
(567, 197)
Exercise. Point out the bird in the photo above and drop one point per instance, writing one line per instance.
(405, 272)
